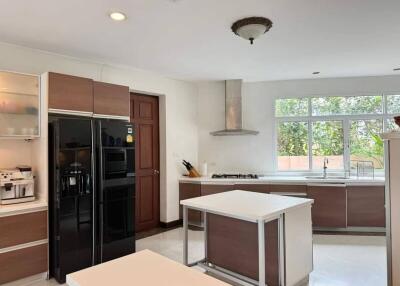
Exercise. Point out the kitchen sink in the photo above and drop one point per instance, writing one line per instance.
(327, 178)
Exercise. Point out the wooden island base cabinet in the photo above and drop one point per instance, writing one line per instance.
(239, 239)
(254, 238)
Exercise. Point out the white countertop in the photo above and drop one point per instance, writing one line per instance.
(300, 180)
(28, 207)
(144, 268)
(250, 206)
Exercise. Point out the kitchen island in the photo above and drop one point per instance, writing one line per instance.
(252, 237)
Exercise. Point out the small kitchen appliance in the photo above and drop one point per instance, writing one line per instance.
(235, 176)
(16, 185)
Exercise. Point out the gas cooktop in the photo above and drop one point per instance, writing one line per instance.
(235, 176)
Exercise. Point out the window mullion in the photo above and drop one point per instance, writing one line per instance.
(310, 163)
(346, 144)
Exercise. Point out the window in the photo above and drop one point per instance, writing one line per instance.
(343, 129)
(291, 107)
(327, 142)
(365, 142)
(393, 104)
(293, 146)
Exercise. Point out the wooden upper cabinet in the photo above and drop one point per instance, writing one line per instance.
(111, 99)
(68, 92)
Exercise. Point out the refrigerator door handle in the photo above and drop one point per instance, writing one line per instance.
(94, 197)
(100, 180)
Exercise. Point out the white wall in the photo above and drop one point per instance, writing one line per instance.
(255, 153)
(178, 108)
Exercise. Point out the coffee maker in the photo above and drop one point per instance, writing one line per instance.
(16, 185)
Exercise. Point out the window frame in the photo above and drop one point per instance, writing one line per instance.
(384, 116)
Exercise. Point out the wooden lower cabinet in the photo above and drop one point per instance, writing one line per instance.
(259, 188)
(233, 244)
(23, 228)
(329, 208)
(335, 205)
(23, 263)
(366, 206)
(189, 191)
(215, 189)
(289, 189)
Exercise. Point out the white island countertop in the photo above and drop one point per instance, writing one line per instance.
(289, 180)
(144, 268)
(249, 206)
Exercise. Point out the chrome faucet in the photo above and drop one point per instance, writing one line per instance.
(326, 162)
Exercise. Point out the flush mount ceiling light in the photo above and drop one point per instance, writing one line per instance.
(117, 16)
(251, 28)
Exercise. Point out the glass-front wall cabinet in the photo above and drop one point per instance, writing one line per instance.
(19, 105)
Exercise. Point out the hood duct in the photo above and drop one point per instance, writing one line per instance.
(233, 111)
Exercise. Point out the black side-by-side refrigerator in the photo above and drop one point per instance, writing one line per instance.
(91, 192)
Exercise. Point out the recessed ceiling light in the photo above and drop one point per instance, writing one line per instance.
(316, 73)
(396, 69)
(118, 16)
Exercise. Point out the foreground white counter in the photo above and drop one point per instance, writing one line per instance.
(144, 268)
(295, 228)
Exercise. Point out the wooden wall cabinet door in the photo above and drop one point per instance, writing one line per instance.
(111, 99)
(259, 188)
(329, 208)
(70, 93)
(215, 189)
(366, 206)
(189, 191)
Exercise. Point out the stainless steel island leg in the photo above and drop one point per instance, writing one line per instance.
(261, 253)
(185, 235)
(282, 251)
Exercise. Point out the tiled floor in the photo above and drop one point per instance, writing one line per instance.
(339, 260)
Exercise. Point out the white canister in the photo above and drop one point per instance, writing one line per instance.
(203, 170)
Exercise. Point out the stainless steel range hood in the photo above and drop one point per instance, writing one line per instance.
(233, 111)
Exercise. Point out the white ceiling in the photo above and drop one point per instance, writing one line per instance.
(191, 39)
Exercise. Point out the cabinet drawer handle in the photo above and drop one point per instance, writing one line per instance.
(327, 185)
(293, 194)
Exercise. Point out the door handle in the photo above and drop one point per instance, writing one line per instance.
(156, 172)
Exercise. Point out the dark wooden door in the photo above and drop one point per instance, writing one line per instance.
(144, 115)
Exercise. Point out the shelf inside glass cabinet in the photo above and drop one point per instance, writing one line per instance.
(19, 105)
